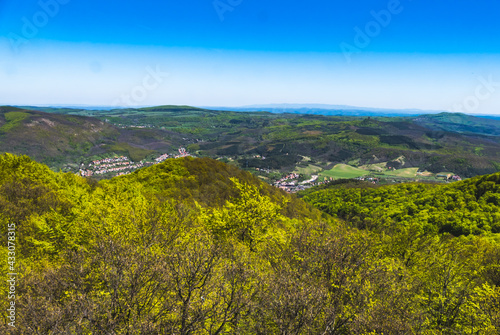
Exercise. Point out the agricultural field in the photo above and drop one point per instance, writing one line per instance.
(343, 171)
(407, 172)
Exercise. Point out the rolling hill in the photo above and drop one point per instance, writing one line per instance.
(460, 123)
(464, 145)
(63, 140)
(51, 138)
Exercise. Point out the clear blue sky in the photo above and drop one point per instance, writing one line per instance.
(390, 54)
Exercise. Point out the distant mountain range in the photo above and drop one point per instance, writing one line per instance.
(341, 110)
(62, 106)
(343, 107)
(315, 109)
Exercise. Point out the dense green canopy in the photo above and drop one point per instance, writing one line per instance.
(468, 207)
(194, 246)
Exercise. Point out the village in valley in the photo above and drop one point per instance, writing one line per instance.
(290, 182)
(122, 165)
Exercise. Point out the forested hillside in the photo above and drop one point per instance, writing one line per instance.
(64, 141)
(195, 246)
(461, 123)
(468, 207)
(55, 140)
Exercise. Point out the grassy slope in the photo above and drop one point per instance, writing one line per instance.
(343, 171)
(408, 172)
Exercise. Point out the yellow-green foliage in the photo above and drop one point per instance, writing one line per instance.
(251, 218)
(194, 246)
(464, 208)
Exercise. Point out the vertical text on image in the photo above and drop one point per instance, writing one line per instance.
(11, 275)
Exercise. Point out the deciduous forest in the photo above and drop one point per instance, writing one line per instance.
(195, 246)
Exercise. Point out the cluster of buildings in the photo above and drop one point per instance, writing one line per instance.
(124, 126)
(294, 186)
(290, 184)
(449, 176)
(310, 181)
(121, 165)
(109, 165)
(373, 180)
(161, 158)
(105, 161)
(288, 180)
(116, 168)
(327, 180)
(182, 153)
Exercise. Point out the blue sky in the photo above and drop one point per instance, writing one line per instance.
(441, 55)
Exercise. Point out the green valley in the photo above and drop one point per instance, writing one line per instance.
(390, 148)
